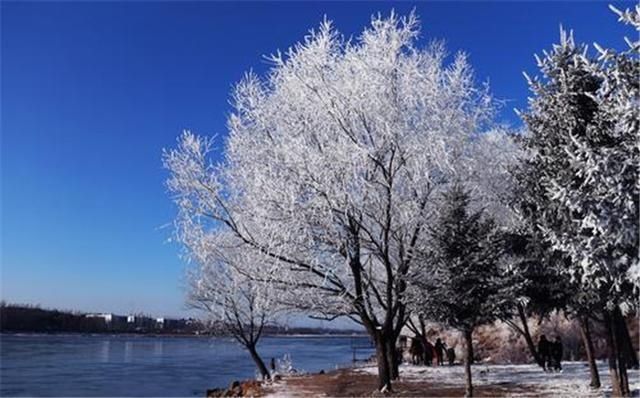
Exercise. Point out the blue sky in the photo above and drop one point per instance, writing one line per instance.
(92, 91)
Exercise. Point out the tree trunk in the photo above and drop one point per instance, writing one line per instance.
(617, 360)
(470, 349)
(384, 371)
(427, 356)
(258, 361)
(623, 356)
(392, 358)
(585, 328)
(468, 359)
(527, 336)
(627, 344)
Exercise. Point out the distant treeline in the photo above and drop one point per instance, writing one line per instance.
(34, 319)
(29, 318)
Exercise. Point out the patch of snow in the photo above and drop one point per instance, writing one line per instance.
(279, 389)
(572, 381)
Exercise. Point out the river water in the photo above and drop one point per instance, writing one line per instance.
(125, 365)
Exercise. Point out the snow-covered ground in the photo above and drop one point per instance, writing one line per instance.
(573, 381)
(505, 380)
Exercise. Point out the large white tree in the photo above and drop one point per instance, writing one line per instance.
(332, 163)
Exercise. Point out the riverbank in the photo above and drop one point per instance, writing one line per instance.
(418, 381)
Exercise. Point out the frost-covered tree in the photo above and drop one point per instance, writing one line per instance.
(531, 268)
(544, 288)
(331, 165)
(235, 304)
(583, 122)
(490, 186)
(465, 286)
(541, 287)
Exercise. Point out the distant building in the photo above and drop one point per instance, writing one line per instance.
(140, 322)
(112, 321)
(168, 324)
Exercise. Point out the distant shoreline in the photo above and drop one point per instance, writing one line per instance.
(24, 318)
(54, 333)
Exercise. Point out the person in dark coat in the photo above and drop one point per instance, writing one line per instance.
(544, 350)
(451, 356)
(439, 352)
(416, 350)
(429, 352)
(556, 352)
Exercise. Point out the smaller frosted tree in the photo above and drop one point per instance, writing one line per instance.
(238, 305)
(463, 287)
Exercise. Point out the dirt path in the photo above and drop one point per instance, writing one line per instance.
(347, 383)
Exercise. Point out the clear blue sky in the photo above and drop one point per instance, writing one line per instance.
(92, 92)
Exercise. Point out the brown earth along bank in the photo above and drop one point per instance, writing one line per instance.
(350, 383)
(246, 388)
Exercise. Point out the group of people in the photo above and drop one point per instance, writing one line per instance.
(424, 353)
(550, 353)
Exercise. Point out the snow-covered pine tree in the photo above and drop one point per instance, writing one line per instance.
(544, 286)
(464, 285)
(583, 124)
(540, 286)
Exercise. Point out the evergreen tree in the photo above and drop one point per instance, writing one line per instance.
(582, 190)
(540, 286)
(543, 286)
(463, 287)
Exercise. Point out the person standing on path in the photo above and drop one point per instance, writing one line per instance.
(544, 347)
(556, 352)
(439, 352)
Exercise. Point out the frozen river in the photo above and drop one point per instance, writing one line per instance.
(125, 365)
